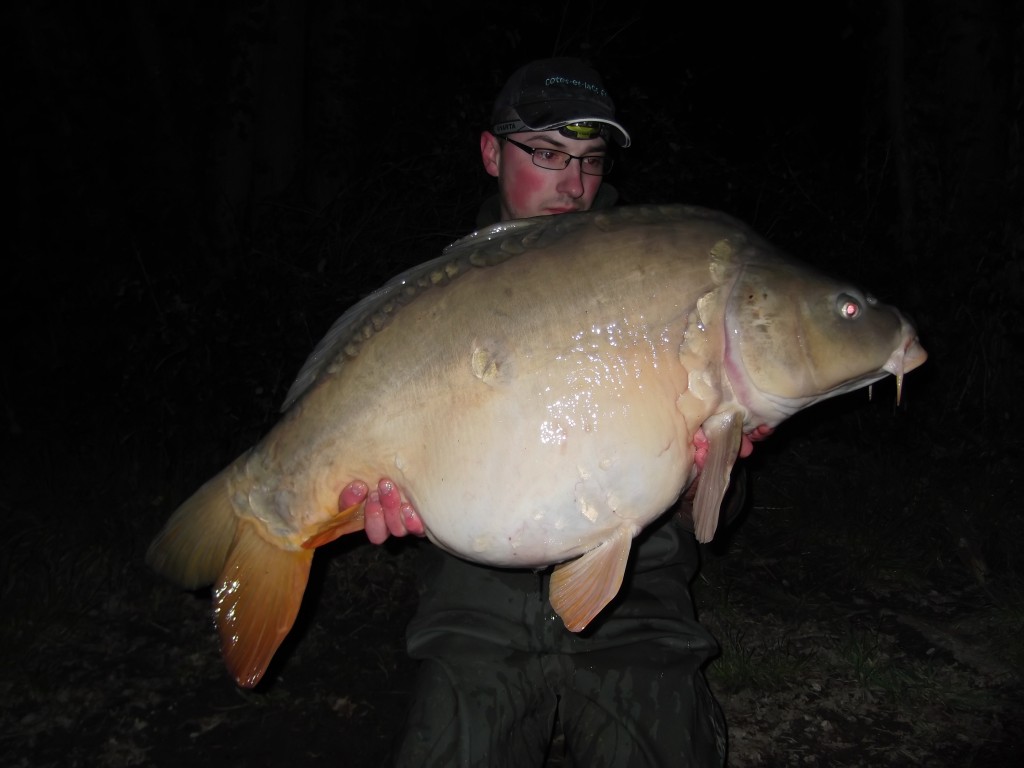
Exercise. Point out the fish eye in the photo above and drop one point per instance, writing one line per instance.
(849, 307)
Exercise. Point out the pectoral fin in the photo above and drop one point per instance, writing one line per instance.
(582, 587)
(724, 433)
(256, 600)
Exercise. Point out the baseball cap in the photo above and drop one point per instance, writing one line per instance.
(561, 94)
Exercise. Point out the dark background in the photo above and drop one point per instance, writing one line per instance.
(201, 188)
(177, 158)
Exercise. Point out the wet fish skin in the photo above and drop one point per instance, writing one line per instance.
(535, 391)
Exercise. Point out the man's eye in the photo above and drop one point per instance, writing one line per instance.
(594, 161)
(546, 154)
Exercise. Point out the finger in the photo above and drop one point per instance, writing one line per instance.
(373, 520)
(700, 455)
(395, 521)
(700, 448)
(391, 504)
(413, 522)
(352, 494)
(746, 447)
(390, 496)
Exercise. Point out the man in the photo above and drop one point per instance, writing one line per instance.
(497, 664)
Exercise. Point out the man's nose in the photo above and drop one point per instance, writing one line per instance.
(571, 181)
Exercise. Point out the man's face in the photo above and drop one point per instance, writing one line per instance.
(526, 190)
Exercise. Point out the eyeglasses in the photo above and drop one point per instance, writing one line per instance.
(556, 160)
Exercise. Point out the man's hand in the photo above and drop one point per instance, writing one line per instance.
(385, 513)
(700, 443)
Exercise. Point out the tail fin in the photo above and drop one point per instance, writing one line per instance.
(258, 584)
(193, 546)
(260, 589)
(256, 601)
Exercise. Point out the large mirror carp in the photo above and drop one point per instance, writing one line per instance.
(536, 392)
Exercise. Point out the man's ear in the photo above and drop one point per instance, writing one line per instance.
(490, 152)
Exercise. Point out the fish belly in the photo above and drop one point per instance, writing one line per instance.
(546, 465)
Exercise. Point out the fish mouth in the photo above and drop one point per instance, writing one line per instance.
(907, 357)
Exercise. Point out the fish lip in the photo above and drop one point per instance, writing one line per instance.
(906, 358)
